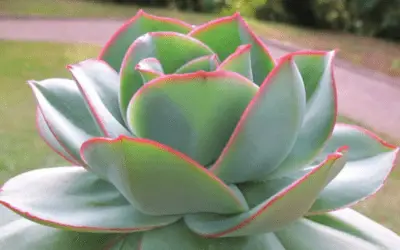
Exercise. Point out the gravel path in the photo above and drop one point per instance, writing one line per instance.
(369, 97)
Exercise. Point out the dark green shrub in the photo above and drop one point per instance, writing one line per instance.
(272, 10)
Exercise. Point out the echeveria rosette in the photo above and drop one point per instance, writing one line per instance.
(186, 137)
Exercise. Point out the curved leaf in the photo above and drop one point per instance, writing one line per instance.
(114, 50)
(353, 223)
(149, 68)
(184, 111)
(265, 134)
(370, 162)
(204, 63)
(307, 235)
(239, 62)
(18, 233)
(48, 136)
(272, 213)
(75, 199)
(224, 35)
(316, 69)
(178, 236)
(66, 114)
(159, 180)
(99, 85)
(172, 50)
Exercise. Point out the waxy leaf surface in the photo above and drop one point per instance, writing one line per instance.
(273, 212)
(158, 180)
(319, 119)
(172, 50)
(48, 136)
(239, 62)
(224, 35)
(18, 233)
(193, 113)
(114, 51)
(268, 128)
(66, 113)
(99, 85)
(73, 198)
(370, 161)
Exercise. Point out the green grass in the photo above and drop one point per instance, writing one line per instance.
(372, 53)
(22, 149)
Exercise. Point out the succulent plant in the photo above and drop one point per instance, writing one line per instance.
(195, 138)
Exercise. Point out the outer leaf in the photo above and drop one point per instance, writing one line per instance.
(149, 69)
(308, 235)
(276, 212)
(99, 85)
(265, 134)
(66, 114)
(74, 199)
(226, 34)
(354, 223)
(257, 192)
(48, 136)
(316, 69)
(158, 180)
(204, 63)
(18, 233)
(114, 51)
(239, 62)
(178, 236)
(171, 49)
(370, 163)
(172, 110)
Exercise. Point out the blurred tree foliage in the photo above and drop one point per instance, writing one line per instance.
(367, 17)
(379, 18)
(245, 7)
(193, 5)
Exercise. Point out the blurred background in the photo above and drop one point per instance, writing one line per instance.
(39, 37)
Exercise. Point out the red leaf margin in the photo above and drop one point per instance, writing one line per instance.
(331, 157)
(138, 15)
(161, 147)
(228, 19)
(384, 144)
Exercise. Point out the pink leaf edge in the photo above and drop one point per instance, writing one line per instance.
(385, 144)
(85, 95)
(286, 58)
(70, 159)
(239, 51)
(228, 19)
(332, 157)
(138, 15)
(39, 220)
(165, 79)
(75, 161)
(247, 111)
(162, 147)
(133, 46)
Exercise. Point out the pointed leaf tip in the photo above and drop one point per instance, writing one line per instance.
(370, 162)
(224, 35)
(50, 138)
(280, 208)
(264, 135)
